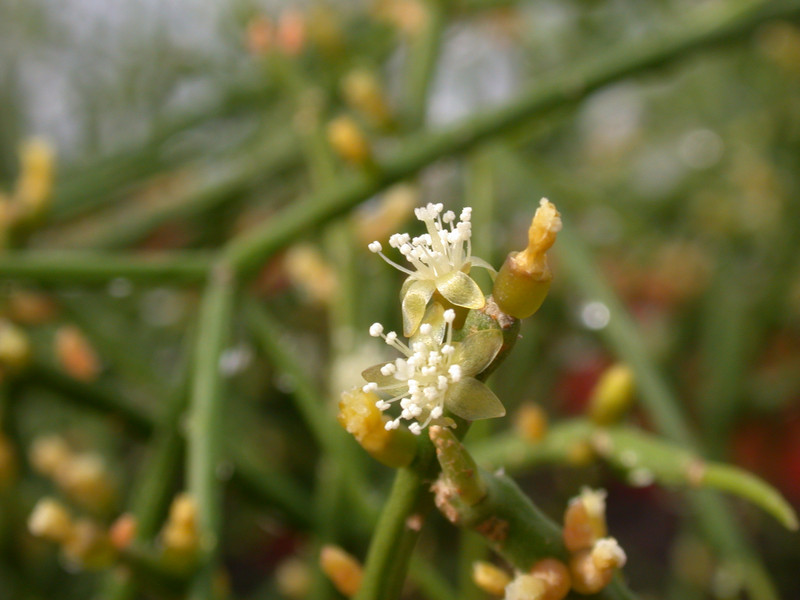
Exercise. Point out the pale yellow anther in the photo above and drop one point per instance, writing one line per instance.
(342, 569)
(490, 578)
(545, 225)
(50, 520)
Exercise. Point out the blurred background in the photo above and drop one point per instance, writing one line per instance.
(181, 124)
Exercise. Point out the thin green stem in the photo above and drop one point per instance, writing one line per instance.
(247, 252)
(97, 268)
(624, 339)
(421, 60)
(204, 439)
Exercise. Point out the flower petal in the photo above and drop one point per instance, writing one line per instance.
(472, 400)
(388, 383)
(478, 350)
(434, 316)
(479, 262)
(415, 299)
(459, 289)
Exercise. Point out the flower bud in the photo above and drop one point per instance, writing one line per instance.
(377, 220)
(293, 578)
(180, 536)
(310, 273)
(123, 531)
(526, 587)
(491, 579)
(555, 576)
(35, 182)
(531, 422)
(524, 279)
(89, 546)
(50, 520)
(49, 454)
(458, 468)
(15, 347)
(360, 416)
(348, 141)
(342, 569)
(85, 479)
(593, 569)
(75, 355)
(585, 520)
(260, 35)
(362, 91)
(612, 395)
(291, 34)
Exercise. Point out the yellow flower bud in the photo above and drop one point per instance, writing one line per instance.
(75, 354)
(491, 579)
(310, 273)
(51, 521)
(585, 520)
(180, 536)
(360, 416)
(524, 279)
(35, 182)
(49, 454)
(526, 587)
(593, 569)
(85, 479)
(342, 569)
(555, 576)
(293, 578)
(362, 91)
(531, 422)
(612, 395)
(348, 141)
(89, 546)
(15, 347)
(377, 220)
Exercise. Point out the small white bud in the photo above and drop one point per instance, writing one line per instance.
(415, 428)
(449, 315)
(375, 247)
(376, 329)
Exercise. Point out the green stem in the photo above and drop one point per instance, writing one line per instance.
(204, 437)
(79, 267)
(398, 528)
(247, 252)
(421, 59)
(623, 338)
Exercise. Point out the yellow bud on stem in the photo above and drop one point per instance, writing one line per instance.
(612, 395)
(491, 579)
(524, 279)
(342, 569)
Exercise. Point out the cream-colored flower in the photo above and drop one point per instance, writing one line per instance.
(441, 258)
(436, 373)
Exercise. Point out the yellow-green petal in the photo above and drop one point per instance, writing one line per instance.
(478, 350)
(458, 288)
(472, 400)
(415, 299)
(434, 316)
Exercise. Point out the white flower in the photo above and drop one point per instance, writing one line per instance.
(436, 373)
(441, 259)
